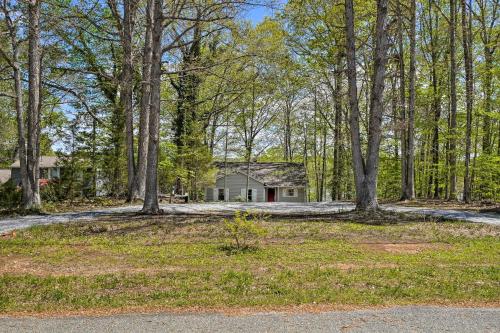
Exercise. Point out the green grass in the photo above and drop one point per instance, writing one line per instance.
(161, 263)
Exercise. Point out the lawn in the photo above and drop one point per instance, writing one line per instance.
(161, 263)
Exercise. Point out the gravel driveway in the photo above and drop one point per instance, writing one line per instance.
(312, 208)
(400, 319)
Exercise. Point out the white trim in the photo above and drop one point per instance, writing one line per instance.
(295, 192)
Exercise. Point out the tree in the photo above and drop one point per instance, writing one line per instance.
(487, 17)
(453, 103)
(151, 205)
(467, 47)
(409, 186)
(12, 25)
(142, 151)
(254, 116)
(126, 26)
(31, 194)
(402, 103)
(365, 171)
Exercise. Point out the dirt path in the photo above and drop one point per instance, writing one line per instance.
(399, 319)
(299, 209)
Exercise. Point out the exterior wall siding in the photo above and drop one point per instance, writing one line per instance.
(236, 182)
(301, 195)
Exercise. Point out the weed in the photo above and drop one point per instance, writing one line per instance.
(243, 228)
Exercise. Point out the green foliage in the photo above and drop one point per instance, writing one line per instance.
(487, 178)
(243, 228)
(10, 195)
(389, 177)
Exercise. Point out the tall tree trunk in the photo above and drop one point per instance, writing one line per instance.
(488, 92)
(248, 160)
(474, 159)
(142, 149)
(396, 121)
(409, 188)
(498, 139)
(453, 104)
(249, 141)
(466, 42)
(129, 9)
(306, 161)
(32, 198)
(315, 147)
(366, 174)
(323, 166)
(21, 133)
(402, 101)
(337, 144)
(151, 205)
(436, 107)
(357, 157)
(288, 131)
(94, 157)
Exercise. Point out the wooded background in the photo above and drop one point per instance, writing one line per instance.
(396, 99)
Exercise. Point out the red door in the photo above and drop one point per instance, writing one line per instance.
(270, 194)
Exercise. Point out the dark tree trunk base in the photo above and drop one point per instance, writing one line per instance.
(152, 211)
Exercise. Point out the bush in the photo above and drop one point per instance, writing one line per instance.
(10, 195)
(239, 198)
(51, 192)
(244, 227)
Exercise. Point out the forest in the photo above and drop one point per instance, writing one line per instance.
(379, 99)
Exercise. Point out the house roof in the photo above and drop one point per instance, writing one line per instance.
(45, 162)
(280, 174)
(4, 175)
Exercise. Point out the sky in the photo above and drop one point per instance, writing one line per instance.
(258, 13)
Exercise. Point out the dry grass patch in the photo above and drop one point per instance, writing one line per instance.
(406, 248)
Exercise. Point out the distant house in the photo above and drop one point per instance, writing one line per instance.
(4, 175)
(267, 182)
(49, 170)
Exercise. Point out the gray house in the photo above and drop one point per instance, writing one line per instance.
(267, 182)
(49, 169)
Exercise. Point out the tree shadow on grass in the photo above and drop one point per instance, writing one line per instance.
(231, 249)
(378, 217)
(384, 217)
(130, 223)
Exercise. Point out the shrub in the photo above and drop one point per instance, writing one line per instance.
(10, 195)
(51, 192)
(244, 227)
(239, 198)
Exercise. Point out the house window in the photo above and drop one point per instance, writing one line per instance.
(220, 194)
(250, 194)
(44, 173)
(290, 192)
